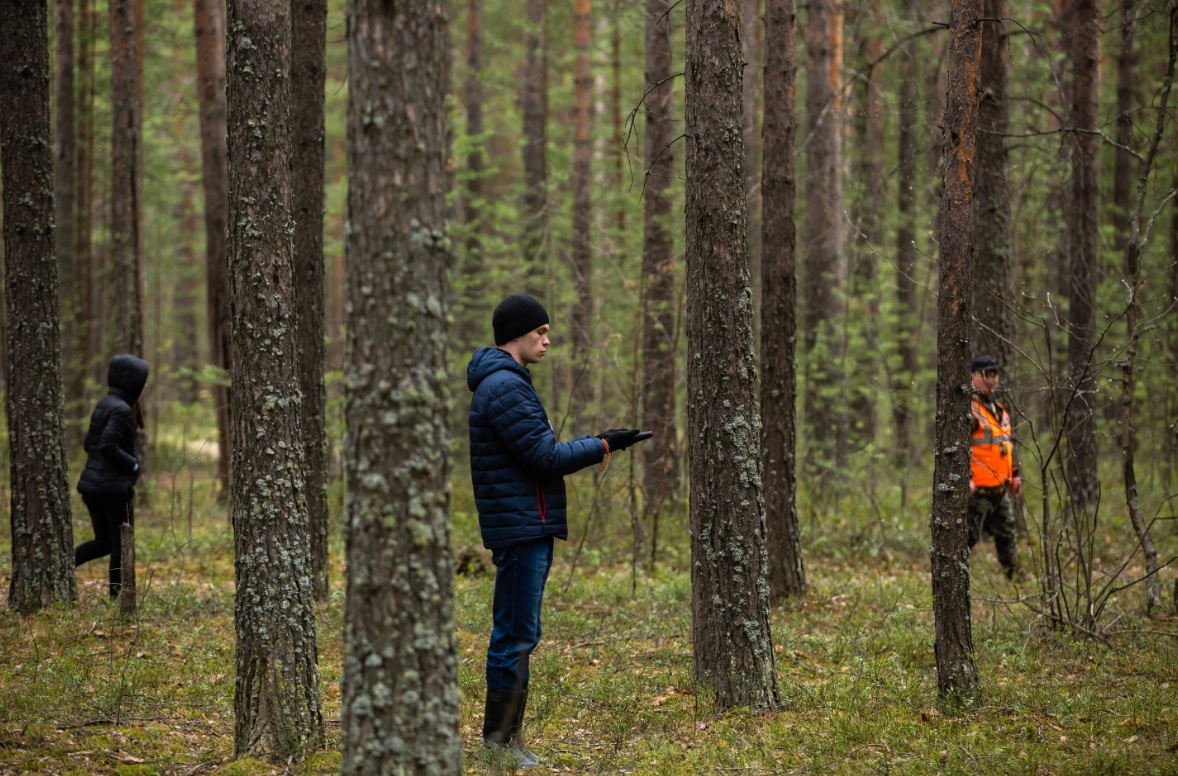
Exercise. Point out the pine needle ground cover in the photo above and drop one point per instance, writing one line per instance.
(612, 691)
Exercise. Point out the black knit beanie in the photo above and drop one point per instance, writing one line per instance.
(516, 316)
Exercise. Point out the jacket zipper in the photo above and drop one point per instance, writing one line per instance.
(541, 502)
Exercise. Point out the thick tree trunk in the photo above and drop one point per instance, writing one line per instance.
(277, 705)
(862, 304)
(993, 290)
(308, 72)
(582, 269)
(209, 24)
(957, 672)
(730, 594)
(85, 320)
(126, 188)
(825, 269)
(400, 705)
(751, 45)
(473, 98)
(1083, 222)
(1133, 247)
(787, 574)
(185, 360)
(39, 505)
(65, 189)
(907, 319)
(1124, 166)
(661, 469)
(534, 104)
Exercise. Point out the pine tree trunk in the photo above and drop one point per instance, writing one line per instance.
(751, 45)
(787, 574)
(957, 672)
(85, 320)
(209, 27)
(993, 291)
(862, 310)
(1133, 282)
(65, 188)
(825, 262)
(473, 98)
(185, 360)
(907, 321)
(582, 269)
(400, 706)
(1124, 165)
(1083, 222)
(39, 506)
(730, 594)
(277, 705)
(126, 189)
(661, 461)
(534, 103)
(308, 74)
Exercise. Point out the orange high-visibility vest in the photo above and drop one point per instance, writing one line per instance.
(991, 458)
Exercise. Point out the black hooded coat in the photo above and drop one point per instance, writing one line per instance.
(112, 467)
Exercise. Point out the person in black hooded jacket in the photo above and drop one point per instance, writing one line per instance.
(108, 482)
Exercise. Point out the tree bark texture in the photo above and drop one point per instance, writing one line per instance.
(126, 178)
(189, 271)
(730, 592)
(582, 269)
(473, 99)
(127, 598)
(85, 320)
(400, 706)
(994, 293)
(308, 71)
(787, 574)
(277, 705)
(751, 46)
(209, 24)
(65, 188)
(1133, 282)
(957, 672)
(534, 104)
(661, 469)
(862, 312)
(1083, 222)
(907, 320)
(825, 266)
(1126, 143)
(39, 504)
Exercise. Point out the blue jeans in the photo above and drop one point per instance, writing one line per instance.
(520, 574)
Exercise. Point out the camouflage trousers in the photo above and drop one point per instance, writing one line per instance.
(991, 513)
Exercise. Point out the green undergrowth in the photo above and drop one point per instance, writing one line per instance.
(612, 683)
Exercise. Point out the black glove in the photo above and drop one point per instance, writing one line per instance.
(619, 439)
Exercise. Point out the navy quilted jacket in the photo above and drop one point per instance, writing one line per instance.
(516, 464)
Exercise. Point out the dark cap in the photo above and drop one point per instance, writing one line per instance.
(984, 364)
(515, 316)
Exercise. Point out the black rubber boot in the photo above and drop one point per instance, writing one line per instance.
(501, 720)
(517, 740)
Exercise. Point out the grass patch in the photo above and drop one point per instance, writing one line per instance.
(613, 691)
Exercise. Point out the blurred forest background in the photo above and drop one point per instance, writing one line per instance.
(567, 145)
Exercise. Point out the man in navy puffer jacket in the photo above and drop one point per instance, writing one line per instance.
(517, 467)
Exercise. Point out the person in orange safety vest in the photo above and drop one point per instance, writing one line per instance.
(994, 474)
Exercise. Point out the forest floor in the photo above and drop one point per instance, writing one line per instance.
(612, 688)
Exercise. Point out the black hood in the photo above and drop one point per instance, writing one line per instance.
(128, 375)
